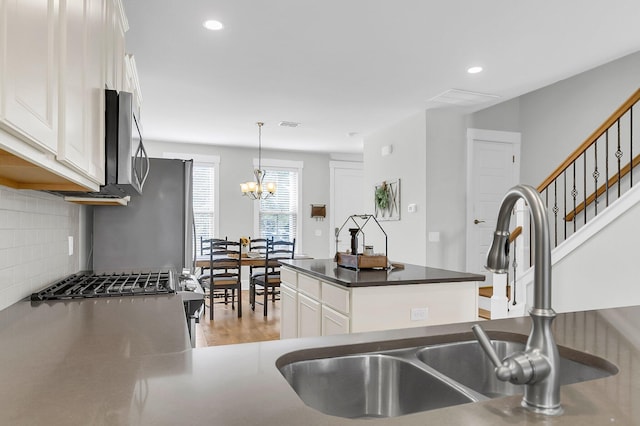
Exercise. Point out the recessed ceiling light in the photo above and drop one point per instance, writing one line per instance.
(474, 70)
(213, 25)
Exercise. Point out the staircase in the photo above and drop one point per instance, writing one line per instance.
(484, 300)
(593, 208)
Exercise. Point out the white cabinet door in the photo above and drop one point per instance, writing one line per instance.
(333, 322)
(288, 312)
(336, 297)
(309, 321)
(131, 82)
(116, 27)
(29, 88)
(81, 138)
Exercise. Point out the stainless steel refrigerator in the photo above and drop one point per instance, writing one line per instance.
(155, 230)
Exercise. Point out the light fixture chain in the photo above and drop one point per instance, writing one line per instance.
(254, 190)
(260, 124)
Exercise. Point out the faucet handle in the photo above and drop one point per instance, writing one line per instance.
(509, 370)
(518, 368)
(486, 345)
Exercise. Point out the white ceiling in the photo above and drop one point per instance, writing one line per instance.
(352, 66)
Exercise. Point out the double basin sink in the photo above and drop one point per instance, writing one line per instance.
(356, 382)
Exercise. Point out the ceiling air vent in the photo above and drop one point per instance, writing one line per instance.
(288, 124)
(462, 98)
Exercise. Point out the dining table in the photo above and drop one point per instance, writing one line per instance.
(248, 259)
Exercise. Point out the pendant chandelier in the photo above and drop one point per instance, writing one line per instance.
(257, 190)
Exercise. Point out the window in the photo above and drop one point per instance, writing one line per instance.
(278, 215)
(204, 212)
(205, 194)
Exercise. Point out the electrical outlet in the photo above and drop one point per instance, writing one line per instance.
(419, 314)
(70, 245)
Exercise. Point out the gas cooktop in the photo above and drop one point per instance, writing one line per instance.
(88, 285)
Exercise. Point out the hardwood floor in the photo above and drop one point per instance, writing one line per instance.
(226, 328)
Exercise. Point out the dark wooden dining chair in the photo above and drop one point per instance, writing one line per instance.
(225, 272)
(257, 245)
(205, 247)
(268, 284)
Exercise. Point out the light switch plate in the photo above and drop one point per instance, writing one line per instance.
(70, 245)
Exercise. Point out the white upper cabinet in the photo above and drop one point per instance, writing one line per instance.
(56, 58)
(81, 135)
(29, 83)
(131, 82)
(116, 27)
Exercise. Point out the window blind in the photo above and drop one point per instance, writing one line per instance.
(278, 216)
(204, 202)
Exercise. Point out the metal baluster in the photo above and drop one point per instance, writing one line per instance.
(515, 265)
(564, 193)
(574, 195)
(584, 185)
(555, 211)
(606, 164)
(595, 175)
(631, 146)
(619, 156)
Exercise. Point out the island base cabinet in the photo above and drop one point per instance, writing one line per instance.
(388, 307)
(309, 313)
(334, 322)
(312, 307)
(288, 312)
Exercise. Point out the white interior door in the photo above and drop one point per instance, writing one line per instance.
(493, 168)
(347, 198)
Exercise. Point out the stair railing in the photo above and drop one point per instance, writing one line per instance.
(604, 162)
(606, 155)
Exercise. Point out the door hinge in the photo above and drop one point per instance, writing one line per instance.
(513, 158)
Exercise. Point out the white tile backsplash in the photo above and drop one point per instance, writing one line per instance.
(34, 230)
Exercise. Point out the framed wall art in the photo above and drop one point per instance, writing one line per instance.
(386, 197)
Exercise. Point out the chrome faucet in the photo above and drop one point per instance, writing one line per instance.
(537, 368)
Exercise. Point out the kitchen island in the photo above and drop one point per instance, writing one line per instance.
(320, 298)
(62, 366)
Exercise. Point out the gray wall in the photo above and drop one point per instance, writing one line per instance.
(429, 153)
(236, 212)
(406, 237)
(430, 150)
(505, 116)
(556, 119)
(446, 188)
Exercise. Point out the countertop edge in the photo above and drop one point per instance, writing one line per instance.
(303, 265)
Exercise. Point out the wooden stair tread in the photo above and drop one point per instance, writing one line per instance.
(483, 313)
(488, 292)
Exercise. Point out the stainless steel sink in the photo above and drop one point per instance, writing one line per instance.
(371, 385)
(388, 379)
(467, 364)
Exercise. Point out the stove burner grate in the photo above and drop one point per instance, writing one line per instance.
(83, 286)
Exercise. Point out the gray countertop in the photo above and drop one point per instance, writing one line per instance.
(127, 361)
(329, 270)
